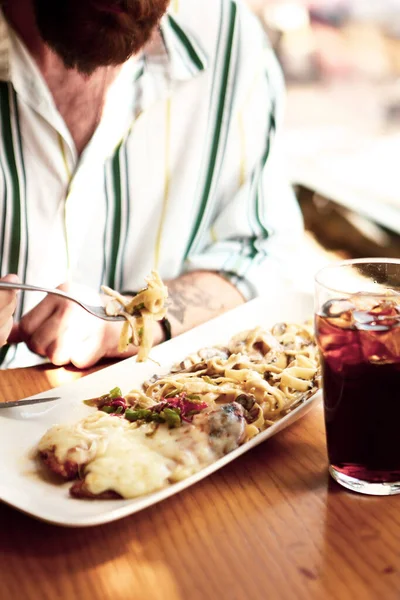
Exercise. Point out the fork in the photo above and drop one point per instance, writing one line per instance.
(96, 311)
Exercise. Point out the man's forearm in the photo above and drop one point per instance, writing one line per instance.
(197, 297)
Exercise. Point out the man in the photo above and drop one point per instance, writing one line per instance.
(136, 135)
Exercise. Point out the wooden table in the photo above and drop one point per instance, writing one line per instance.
(270, 525)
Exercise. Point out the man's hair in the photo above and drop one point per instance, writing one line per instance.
(88, 34)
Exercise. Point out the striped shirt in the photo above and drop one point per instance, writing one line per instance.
(178, 176)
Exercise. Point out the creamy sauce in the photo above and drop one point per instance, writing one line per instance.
(120, 456)
(128, 467)
(82, 441)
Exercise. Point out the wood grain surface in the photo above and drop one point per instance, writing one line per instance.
(270, 525)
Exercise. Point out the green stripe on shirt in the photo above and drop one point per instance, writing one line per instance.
(19, 151)
(217, 127)
(126, 222)
(4, 217)
(188, 45)
(116, 223)
(13, 261)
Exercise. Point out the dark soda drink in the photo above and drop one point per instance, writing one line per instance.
(359, 342)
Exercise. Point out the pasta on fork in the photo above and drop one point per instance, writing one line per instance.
(140, 312)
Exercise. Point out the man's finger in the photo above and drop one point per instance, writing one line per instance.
(37, 316)
(100, 344)
(88, 353)
(58, 353)
(73, 339)
(15, 336)
(53, 329)
(4, 331)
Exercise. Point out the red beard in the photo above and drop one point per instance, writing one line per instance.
(88, 34)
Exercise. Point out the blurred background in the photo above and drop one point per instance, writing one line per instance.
(341, 60)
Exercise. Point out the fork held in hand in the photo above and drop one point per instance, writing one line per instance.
(96, 311)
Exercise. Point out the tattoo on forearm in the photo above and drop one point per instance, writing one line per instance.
(185, 294)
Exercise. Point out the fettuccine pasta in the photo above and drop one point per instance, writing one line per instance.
(140, 312)
(267, 372)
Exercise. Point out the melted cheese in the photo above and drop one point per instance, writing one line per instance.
(128, 467)
(82, 441)
(123, 457)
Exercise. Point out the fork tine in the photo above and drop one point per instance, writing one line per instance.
(99, 311)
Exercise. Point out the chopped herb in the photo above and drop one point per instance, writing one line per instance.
(186, 407)
(172, 417)
(172, 410)
(138, 308)
(137, 414)
(157, 417)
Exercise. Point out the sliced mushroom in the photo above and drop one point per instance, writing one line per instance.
(255, 414)
(197, 362)
(246, 400)
(150, 381)
(252, 410)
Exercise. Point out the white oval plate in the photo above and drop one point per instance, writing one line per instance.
(21, 484)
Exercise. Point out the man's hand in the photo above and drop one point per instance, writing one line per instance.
(64, 333)
(8, 301)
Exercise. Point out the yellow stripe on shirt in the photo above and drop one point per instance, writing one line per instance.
(167, 182)
(69, 177)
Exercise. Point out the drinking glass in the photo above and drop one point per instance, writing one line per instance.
(357, 327)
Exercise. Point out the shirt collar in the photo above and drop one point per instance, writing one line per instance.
(175, 51)
(183, 55)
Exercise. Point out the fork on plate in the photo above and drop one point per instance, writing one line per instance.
(96, 311)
